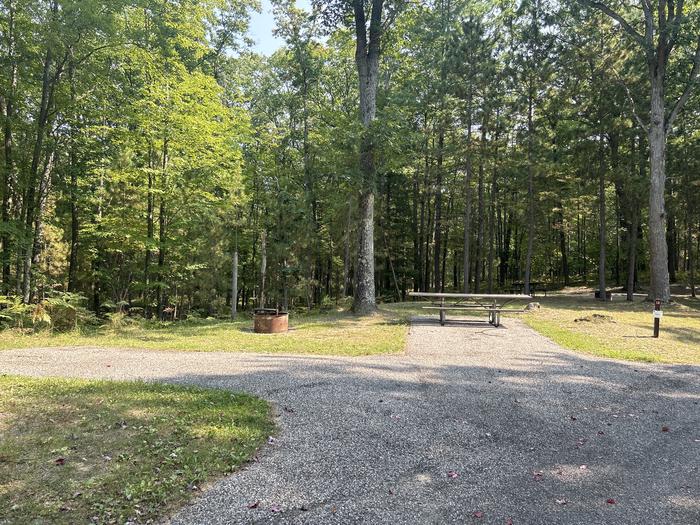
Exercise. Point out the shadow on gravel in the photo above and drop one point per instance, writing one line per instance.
(548, 437)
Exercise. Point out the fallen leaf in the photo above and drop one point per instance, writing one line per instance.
(601, 433)
(290, 410)
(452, 474)
(275, 508)
(60, 461)
(573, 418)
(509, 521)
(665, 429)
(304, 508)
(610, 501)
(254, 505)
(583, 467)
(538, 475)
(271, 440)
(561, 501)
(478, 514)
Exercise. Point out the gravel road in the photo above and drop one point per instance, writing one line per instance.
(473, 424)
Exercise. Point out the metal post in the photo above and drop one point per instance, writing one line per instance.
(657, 316)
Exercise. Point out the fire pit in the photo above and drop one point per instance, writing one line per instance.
(270, 321)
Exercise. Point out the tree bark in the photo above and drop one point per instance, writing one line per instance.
(234, 283)
(8, 143)
(530, 190)
(263, 268)
(602, 231)
(658, 249)
(367, 54)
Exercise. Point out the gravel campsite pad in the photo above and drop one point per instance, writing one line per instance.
(473, 424)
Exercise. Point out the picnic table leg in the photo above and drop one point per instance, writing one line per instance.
(442, 312)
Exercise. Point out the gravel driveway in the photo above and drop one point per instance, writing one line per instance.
(474, 424)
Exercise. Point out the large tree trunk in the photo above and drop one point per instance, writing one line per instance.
(367, 62)
(658, 249)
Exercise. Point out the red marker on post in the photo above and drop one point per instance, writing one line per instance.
(658, 314)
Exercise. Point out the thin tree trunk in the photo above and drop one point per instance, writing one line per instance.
(480, 211)
(263, 267)
(602, 230)
(9, 173)
(632, 254)
(466, 261)
(530, 191)
(234, 282)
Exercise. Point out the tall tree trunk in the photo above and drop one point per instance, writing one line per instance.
(9, 172)
(367, 62)
(530, 189)
(632, 254)
(602, 230)
(42, 122)
(492, 205)
(658, 249)
(263, 267)
(346, 259)
(73, 192)
(150, 231)
(162, 232)
(43, 196)
(438, 211)
(234, 282)
(480, 213)
(466, 261)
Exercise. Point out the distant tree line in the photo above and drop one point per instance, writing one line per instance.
(152, 162)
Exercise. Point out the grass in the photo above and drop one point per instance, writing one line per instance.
(334, 333)
(75, 451)
(619, 329)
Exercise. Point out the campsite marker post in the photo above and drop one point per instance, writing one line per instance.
(657, 316)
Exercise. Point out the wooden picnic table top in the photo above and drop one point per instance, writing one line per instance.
(468, 295)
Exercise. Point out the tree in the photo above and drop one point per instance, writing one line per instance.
(666, 27)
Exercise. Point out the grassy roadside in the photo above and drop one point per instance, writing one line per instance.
(74, 451)
(619, 329)
(335, 333)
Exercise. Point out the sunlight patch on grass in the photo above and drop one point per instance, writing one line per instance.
(75, 451)
(619, 329)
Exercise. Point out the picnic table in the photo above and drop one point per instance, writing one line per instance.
(494, 304)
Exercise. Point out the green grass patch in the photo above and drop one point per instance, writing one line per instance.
(586, 343)
(620, 329)
(334, 333)
(75, 451)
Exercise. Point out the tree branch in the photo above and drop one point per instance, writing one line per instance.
(692, 80)
(633, 104)
(600, 6)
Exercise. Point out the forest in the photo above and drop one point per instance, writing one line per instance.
(152, 162)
